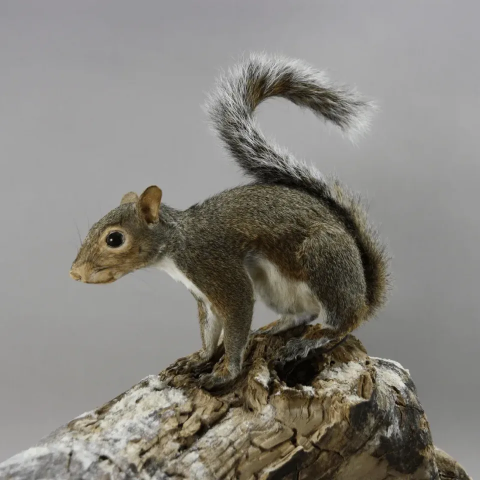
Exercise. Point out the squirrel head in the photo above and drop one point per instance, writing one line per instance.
(122, 241)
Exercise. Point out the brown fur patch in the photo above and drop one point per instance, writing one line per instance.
(103, 264)
(149, 203)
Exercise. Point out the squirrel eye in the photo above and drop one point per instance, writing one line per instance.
(115, 239)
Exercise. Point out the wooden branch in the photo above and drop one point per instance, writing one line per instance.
(342, 415)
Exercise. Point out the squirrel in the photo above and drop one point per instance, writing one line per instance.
(297, 241)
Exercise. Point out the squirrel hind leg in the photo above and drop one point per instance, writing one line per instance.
(337, 279)
(334, 331)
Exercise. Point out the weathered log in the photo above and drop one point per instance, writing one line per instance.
(337, 415)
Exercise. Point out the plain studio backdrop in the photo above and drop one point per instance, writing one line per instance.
(100, 98)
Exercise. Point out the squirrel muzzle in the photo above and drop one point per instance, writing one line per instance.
(86, 273)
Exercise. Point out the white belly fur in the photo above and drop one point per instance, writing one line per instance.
(169, 266)
(281, 294)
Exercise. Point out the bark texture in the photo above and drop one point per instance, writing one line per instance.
(338, 415)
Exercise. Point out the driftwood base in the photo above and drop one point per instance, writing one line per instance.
(340, 415)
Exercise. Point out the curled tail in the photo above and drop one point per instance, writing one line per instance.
(231, 107)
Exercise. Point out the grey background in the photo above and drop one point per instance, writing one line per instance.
(100, 98)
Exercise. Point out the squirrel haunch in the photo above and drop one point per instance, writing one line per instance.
(292, 238)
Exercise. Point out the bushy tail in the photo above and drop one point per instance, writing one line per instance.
(231, 107)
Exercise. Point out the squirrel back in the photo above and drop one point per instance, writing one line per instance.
(231, 110)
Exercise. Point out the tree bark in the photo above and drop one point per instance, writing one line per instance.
(337, 415)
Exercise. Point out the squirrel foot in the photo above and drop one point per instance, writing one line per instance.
(196, 363)
(212, 381)
(297, 348)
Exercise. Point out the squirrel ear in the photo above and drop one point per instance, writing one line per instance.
(129, 197)
(149, 204)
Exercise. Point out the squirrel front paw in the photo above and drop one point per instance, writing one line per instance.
(213, 381)
(196, 363)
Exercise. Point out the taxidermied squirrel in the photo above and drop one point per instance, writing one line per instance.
(297, 241)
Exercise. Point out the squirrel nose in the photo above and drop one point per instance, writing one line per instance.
(75, 275)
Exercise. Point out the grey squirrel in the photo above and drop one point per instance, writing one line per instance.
(296, 240)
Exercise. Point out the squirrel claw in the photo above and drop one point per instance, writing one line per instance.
(194, 364)
(212, 381)
(302, 348)
(294, 349)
